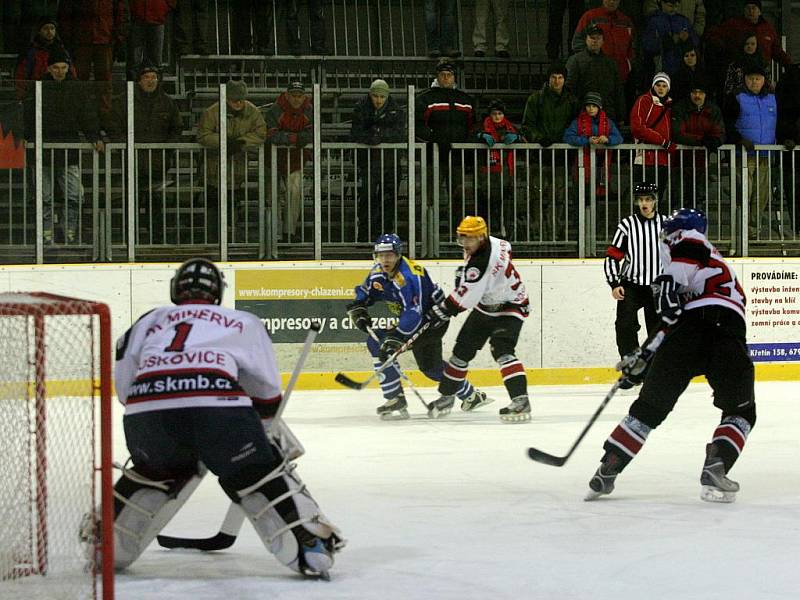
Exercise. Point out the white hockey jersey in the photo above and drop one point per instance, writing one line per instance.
(489, 283)
(194, 355)
(702, 275)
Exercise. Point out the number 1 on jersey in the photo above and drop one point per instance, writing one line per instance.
(179, 341)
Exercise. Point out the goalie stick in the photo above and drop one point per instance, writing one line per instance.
(356, 385)
(234, 518)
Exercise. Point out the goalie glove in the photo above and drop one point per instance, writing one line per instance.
(668, 302)
(359, 316)
(634, 366)
(390, 344)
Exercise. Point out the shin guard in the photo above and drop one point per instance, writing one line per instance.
(290, 523)
(143, 507)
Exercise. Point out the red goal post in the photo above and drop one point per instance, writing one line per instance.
(56, 494)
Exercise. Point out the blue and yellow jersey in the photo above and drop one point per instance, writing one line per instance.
(408, 293)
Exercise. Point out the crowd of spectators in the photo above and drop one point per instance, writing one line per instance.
(672, 72)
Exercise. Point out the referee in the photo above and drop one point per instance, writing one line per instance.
(632, 264)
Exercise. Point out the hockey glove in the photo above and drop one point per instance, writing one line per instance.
(668, 302)
(634, 366)
(487, 139)
(438, 315)
(359, 316)
(390, 344)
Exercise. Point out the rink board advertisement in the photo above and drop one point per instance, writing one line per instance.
(288, 301)
(568, 337)
(773, 307)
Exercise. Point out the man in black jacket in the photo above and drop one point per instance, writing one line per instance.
(156, 120)
(446, 115)
(377, 119)
(66, 113)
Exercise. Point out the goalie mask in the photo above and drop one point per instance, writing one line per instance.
(197, 279)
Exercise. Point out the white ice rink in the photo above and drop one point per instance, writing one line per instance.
(453, 509)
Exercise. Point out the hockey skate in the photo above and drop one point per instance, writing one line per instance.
(475, 400)
(394, 409)
(715, 486)
(602, 482)
(441, 407)
(519, 411)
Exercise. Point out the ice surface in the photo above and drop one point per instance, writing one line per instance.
(453, 509)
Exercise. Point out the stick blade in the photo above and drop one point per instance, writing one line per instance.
(220, 541)
(545, 458)
(347, 382)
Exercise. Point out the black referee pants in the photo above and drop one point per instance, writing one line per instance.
(627, 323)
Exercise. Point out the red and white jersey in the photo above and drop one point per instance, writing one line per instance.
(196, 355)
(490, 284)
(702, 275)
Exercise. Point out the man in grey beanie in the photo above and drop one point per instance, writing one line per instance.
(246, 129)
(377, 119)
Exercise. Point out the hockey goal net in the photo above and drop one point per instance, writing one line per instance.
(55, 448)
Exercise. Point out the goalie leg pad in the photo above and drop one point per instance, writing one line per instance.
(143, 507)
(283, 438)
(288, 520)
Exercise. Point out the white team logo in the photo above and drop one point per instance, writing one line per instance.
(472, 274)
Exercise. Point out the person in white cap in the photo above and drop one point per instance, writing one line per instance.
(377, 119)
(650, 120)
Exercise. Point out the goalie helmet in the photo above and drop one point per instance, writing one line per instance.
(645, 188)
(472, 227)
(197, 279)
(388, 242)
(685, 219)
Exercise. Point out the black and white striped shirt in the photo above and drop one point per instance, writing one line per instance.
(633, 254)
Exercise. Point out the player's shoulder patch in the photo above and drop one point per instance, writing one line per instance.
(377, 285)
(415, 268)
(399, 280)
(476, 266)
(472, 274)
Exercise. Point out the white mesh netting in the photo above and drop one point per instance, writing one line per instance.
(49, 439)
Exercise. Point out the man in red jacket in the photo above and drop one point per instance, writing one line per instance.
(94, 32)
(617, 30)
(32, 64)
(146, 33)
(728, 33)
(290, 122)
(696, 122)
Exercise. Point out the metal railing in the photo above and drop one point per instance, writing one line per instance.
(141, 201)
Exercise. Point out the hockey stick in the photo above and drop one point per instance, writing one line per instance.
(558, 461)
(375, 337)
(356, 385)
(234, 518)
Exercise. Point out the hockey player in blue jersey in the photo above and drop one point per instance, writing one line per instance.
(409, 293)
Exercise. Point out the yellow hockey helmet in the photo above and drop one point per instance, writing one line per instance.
(473, 227)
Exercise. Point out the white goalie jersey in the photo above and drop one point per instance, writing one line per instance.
(702, 275)
(489, 283)
(197, 355)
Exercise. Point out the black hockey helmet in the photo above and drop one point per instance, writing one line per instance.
(197, 279)
(645, 188)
